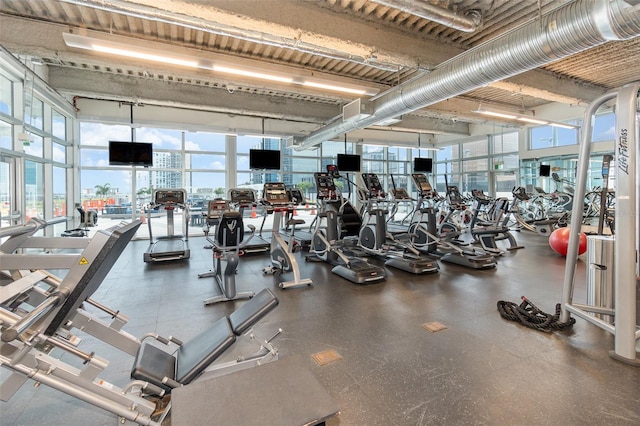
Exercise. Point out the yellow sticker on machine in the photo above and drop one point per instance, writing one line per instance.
(84, 261)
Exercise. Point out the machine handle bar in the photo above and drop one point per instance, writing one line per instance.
(12, 333)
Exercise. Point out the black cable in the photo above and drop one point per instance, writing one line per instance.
(529, 315)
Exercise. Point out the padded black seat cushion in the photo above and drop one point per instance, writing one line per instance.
(247, 315)
(199, 352)
(153, 364)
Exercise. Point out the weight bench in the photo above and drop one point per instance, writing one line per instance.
(166, 370)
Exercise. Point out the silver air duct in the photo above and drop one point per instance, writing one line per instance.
(422, 9)
(577, 27)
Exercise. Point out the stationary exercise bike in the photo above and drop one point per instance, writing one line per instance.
(227, 243)
(275, 197)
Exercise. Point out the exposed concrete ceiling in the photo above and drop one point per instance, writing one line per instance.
(352, 41)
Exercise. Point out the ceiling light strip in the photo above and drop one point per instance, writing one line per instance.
(121, 49)
(523, 118)
(219, 29)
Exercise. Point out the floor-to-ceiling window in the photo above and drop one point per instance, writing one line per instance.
(36, 136)
(487, 163)
(504, 163)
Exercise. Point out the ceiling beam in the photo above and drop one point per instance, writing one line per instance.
(317, 24)
(124, 87)
(45, 41)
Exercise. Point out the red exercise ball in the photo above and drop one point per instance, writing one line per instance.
(559, 241)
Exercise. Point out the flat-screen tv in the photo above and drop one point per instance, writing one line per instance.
(264, 159)
(348, 162)
(130, 154)
(545, 170)
(424, 165)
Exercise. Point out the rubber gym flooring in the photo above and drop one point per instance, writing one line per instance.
(480, 370)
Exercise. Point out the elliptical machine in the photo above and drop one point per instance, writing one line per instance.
(275, 197)
(326, 244)
(424, 232)
(375, 239)
(226, 245)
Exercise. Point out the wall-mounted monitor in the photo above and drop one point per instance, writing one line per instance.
(545, 170)
(130, 154)
(424, 165)
(264, 159)
(348, 162)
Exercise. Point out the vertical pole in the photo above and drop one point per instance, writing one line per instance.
(576, 212)
(626, 243)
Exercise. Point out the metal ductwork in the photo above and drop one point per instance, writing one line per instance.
(574, 28)
(422, 9)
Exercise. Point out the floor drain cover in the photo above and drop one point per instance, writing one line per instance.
(326, 357)
(434, 326)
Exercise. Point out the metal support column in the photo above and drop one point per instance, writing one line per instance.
(626, 243)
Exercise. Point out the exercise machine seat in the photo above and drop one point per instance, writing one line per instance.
(230, 231)
(166, 370)
(153, 365)
(199, 352)
(243, 318)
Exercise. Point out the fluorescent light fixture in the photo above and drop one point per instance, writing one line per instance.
(532, 120)
(216, 66)
(498, 114)
(334, 87)
(525, 117)
(252, 74)
(145, 56)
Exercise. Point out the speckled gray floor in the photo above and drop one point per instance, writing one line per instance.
(480, 370)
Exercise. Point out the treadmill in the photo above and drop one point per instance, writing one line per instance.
(326, 244)
(425, 238)
(242, 199)
(170, 246)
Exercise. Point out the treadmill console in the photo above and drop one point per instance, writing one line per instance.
(215, 208)
(275, 194)
(169, 197)
(242, 197)
(373, 185)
